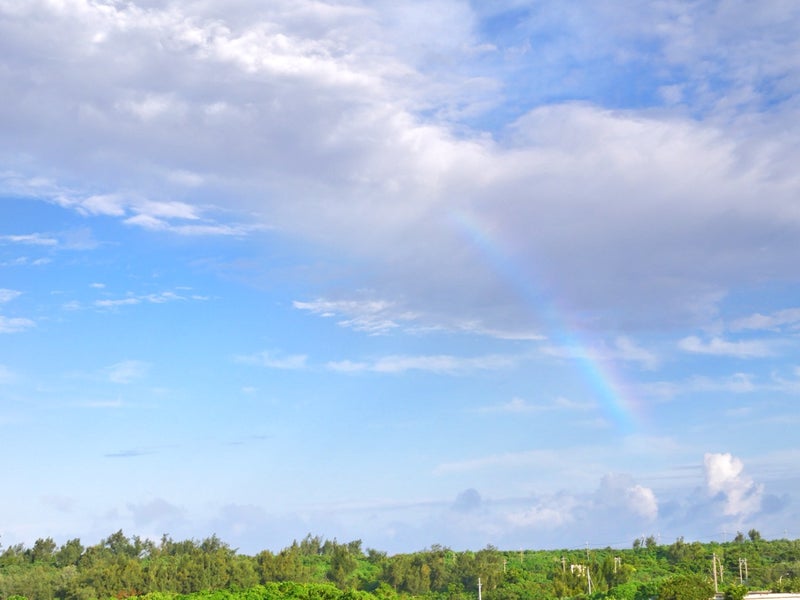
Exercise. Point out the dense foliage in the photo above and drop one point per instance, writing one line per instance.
(316, 569)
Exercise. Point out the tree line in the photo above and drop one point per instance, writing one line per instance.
(314, 568)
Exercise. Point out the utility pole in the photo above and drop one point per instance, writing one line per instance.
(589, 579)
(479, 588)
(714, 568)
(742, 564)
(617, 564)
(563, 565)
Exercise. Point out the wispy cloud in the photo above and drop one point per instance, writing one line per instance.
(127, 371)
(101, 404)
(370, 316)
(208, 229)
(519, 405)
(171, 216)
(131, 453)
(30, 239)
(773, 322)
(15, 324)
(272, 360)
(6, 375)
(155, 511)
(7, 295)
(721, 347)
(622, 349)
(156, 298)
(22, 261)
(549, 512)
(738, 383)
(131, 300)
(443, 364)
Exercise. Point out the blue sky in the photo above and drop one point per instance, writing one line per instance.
(511, 273)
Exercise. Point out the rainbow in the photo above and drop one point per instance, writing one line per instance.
(609, 389)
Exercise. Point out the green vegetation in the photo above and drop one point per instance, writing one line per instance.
(315, 569)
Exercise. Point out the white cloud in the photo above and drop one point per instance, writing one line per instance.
(622, 349)
(628, 350)
(443, 364)
(103, 404)
(519, 405)
(774, 322)
(725, 476)
(642, 501)
(127, 371)
(548, 513)
(515, 405)
(271, 360)
(31, 239)
(15, 324)
(720, 347)
(370, 316)
(120, 302)
(107, 205)
(155, 511)
(7, 295)
(22, 261)
(620, 492)
(155, 298)
(6, 375)
(209, 229)
(372, 180)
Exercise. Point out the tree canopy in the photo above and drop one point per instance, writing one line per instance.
(314, 568)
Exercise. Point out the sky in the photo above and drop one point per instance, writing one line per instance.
(520, 273)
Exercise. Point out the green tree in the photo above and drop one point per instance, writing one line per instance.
(342, 566)
(43, 550)
(69, 553)
(735, 592)
(686, 587)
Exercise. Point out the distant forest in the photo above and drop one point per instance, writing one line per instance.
(316, 569)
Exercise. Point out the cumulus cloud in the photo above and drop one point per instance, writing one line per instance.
(620, 492)
(380, 152)
(725, 478)
(467, 501)
(642, 501)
